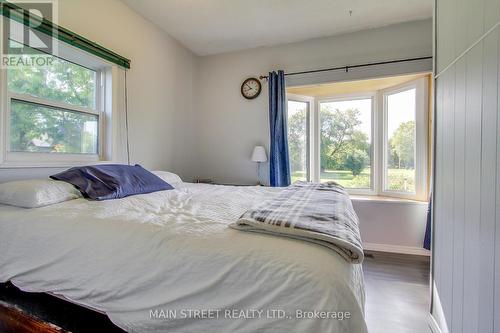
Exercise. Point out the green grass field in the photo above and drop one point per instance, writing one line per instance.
(402, 180)
(399, 179)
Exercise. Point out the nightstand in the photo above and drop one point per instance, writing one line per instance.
(228, 184)
(213, 182)
(204, 181)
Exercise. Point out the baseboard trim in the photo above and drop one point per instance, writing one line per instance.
(433, 325)
(397, 249)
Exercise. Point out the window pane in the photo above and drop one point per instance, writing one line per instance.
(38, 128)
(400, 150)
(63, 81)
(346, 140)
(297, 139)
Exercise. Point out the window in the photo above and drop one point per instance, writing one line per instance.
(52, 109)
(405, 134)
(38, 128)
(298, 137)
(346, 140)
(62, 97)
(62, 81)
(372, 143)
(55, 115)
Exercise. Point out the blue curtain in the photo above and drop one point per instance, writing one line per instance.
(279, 163)
(427, 238)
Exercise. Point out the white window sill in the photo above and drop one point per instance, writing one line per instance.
(382, 199)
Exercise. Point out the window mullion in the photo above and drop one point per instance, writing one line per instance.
(378, 143)
(3, 115)
(46, 102)
(315, 138)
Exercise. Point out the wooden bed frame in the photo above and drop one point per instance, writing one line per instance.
(22, 312)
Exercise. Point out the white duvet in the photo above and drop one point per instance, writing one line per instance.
(168, 262)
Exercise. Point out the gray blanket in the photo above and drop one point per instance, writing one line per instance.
(319, 213)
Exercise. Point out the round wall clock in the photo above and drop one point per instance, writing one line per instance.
(251, 88)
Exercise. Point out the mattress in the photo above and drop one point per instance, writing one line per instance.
(168, 261)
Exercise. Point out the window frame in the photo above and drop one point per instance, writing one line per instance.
(421, 138)
(379, 141)
(373, 158)
(103, 94)
(309, 144)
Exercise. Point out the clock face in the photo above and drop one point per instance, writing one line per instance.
(250, 88)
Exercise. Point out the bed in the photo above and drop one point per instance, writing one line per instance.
(167, 261)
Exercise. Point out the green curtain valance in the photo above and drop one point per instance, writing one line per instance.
(16, 13)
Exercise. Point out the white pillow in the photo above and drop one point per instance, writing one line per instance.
(168, 177)
(36, 192)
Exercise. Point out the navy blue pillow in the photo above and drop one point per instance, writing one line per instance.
(112, 181)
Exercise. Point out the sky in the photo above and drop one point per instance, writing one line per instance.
(365, 108)
(400, 109)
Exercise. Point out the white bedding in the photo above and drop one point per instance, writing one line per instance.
(170, 252)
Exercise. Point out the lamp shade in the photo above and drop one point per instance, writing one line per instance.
(259, 154)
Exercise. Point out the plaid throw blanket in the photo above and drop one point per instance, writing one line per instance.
(319, 213)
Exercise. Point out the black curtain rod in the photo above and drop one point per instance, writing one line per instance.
(14, 12)
(346, 68)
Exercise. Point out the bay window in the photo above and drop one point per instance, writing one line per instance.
(371, 143)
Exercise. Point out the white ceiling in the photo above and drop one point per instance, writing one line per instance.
(215, 26)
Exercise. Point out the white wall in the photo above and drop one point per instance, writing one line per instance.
(392, 226)
(160, 84)
(466, 249)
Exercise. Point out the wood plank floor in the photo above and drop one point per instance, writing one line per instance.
(397, 293)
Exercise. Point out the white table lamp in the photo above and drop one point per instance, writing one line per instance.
(259, 155)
